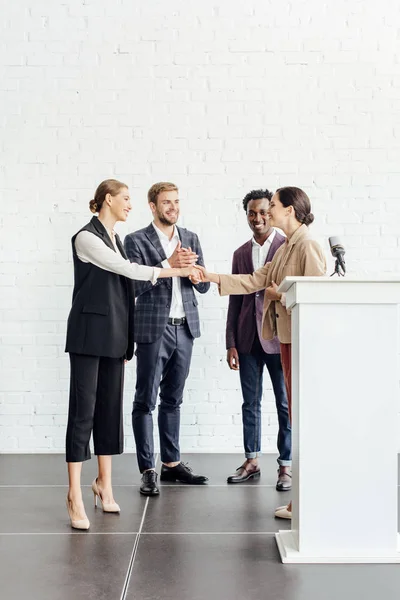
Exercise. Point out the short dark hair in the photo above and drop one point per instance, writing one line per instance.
(256, 195)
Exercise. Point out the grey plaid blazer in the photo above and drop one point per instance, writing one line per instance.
(153, 302)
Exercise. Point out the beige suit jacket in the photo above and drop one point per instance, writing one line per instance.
(298, 256)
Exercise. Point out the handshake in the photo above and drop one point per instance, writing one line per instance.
(185, 259)
(198, 274)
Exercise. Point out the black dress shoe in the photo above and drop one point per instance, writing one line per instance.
(244, 473)
(149, 484)
(182, 473)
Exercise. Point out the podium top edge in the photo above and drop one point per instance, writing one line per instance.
(289, 281)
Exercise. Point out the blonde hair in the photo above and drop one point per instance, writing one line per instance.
(157, 188)
(108, 186)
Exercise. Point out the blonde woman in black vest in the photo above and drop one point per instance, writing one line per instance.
(99, 341)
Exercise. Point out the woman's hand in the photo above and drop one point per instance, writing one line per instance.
(205, 276)
(188, 272)
(272, 293)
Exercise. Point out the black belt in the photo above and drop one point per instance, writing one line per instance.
(176, 321)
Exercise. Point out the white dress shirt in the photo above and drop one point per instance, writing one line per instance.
(260, 253)
(177, 311)
(91, 249)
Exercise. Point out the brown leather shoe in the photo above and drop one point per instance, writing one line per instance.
(244, 473)
(284, 483)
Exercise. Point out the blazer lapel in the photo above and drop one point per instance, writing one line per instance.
(290, 245)
(120, 247)
(183, 237)
(155, 241)
(102, 231)
(276, 243)
(248, 257)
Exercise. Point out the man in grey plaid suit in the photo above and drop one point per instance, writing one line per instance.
(166, 323)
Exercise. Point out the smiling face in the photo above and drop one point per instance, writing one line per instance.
(277, 213)
(257, 216)
(166, 207)
(120, 204)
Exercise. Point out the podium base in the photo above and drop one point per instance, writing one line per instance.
(287, 546)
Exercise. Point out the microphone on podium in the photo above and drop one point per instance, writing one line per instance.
(338, 252)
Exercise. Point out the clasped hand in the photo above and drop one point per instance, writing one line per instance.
(272, 293)
(182, 257)
(185, 260)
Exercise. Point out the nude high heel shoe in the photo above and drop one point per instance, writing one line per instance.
(111, 507)
(77, 523)
(283, 512)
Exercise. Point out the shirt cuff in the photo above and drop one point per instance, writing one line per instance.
(156, 272)
(166, 264)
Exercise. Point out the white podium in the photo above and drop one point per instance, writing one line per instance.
(345, 387)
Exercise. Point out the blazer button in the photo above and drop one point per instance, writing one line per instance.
(277, 316)
(167, 306)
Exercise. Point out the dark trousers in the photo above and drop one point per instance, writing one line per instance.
(161, 364)
(251, 377)
(95, 404)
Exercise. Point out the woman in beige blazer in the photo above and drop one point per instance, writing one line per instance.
(289, 210)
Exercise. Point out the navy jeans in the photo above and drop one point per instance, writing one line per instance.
(251, 368)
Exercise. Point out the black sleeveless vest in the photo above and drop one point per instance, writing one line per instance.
(100, 322)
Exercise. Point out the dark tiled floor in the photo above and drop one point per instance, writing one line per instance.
(43, 510)
(247, 567)
(215, 509)
(61, 567)
(191, 543)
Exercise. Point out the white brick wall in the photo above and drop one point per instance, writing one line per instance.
(220, 97)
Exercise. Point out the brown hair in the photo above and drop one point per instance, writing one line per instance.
(157, 188)
(293, 196)
(109, 186)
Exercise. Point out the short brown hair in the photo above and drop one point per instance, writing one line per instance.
(157, 188)
(109, 186)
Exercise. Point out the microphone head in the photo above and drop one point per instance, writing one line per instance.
(336, 246)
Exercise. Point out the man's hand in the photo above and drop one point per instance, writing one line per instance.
(232, 358)
(195, 279)
(205, 276)
(272, 293)
(190, 272)
(182, 257)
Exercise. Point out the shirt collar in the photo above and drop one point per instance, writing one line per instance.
(111, 233)
(162, 235)
(268, 241)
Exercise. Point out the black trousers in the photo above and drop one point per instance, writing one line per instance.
(95, 404)
(163, 364)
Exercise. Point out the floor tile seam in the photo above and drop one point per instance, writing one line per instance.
(136, 485)
(87, 533)
(144, 533)
(128, 575)
(136, 533)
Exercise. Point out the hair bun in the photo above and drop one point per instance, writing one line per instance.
(93, 206)
(308, 219)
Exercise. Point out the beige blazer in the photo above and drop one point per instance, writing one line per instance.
(298, 256)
